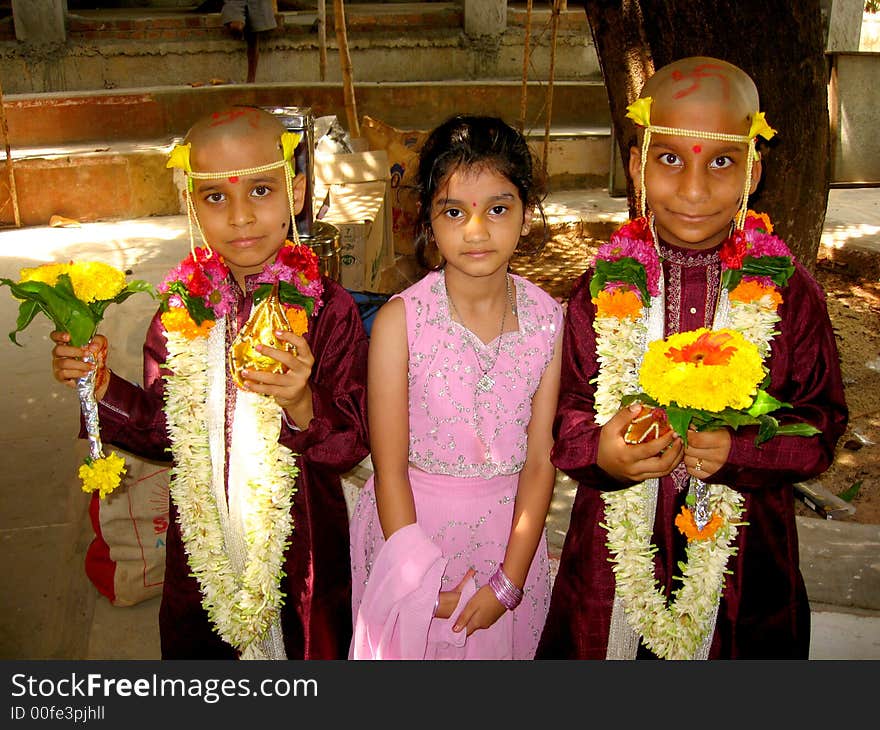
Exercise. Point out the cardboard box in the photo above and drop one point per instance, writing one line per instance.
(358, 211)
(359, 205)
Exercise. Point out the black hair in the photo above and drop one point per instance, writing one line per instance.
(465, 141)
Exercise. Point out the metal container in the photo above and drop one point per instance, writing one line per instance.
(299, 119)
(325, 243)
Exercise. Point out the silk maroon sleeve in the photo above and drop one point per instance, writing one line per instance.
(805, 372)
(336, 438)
(575, 430)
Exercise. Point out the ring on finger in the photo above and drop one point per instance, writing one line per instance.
(699, 465)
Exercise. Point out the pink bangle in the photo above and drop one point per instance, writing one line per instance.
(505, 590)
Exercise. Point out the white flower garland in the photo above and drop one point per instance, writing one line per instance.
(243, 605)
(684, 627)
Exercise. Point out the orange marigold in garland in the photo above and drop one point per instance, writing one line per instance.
(688, 527)
(749, 290)
(620, 303)
(177, 319)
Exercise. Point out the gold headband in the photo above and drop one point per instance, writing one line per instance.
(180, 158)
(640, 112)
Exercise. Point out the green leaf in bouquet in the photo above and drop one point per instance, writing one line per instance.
(637, 398)
(797, 429)
(26, 313)
(767, 429)
(726, 418)
(69, 313)
(59, 304)
(765, 403)
(680, 420)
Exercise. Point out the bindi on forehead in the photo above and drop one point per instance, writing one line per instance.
(697, 149)
(698, 75)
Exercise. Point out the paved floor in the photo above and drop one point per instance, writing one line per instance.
(51, 610)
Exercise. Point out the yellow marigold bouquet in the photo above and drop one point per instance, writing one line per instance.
(75, 296)
(709, 379)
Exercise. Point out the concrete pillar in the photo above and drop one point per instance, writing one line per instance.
(40, 21)
(844, 25)
(485, 17)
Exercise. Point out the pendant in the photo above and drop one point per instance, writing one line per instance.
(485, 383)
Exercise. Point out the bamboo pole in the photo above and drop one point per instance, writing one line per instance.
(322, 40)
(10, 169)
(527, 51)
(354, 128)
(554, 30)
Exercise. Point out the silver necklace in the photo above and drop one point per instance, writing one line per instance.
(486, 382)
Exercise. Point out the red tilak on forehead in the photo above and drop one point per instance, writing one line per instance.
(473, 205)
(233, 179)
(703, 71)
(697, 149)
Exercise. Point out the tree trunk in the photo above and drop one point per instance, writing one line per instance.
(779, 44)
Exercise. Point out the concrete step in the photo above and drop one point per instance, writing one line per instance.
(102, 117)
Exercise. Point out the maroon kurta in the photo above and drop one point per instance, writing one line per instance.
(764, 610)
(316, 615)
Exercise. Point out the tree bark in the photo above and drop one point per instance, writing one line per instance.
(779, 44)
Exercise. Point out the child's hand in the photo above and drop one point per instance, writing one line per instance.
(483, 610)
(449, 599)
(636, 462)
(707, 452)
(68, 365)
(290, 389)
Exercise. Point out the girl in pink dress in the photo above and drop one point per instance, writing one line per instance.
(448, 549)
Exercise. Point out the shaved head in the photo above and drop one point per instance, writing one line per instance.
(699, 82)
(227, 127)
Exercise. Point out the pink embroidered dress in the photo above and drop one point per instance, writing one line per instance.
(466, 449)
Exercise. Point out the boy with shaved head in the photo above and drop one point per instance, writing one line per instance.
(686, 548)
(254, 385)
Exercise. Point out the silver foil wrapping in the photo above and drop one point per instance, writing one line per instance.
(85, 388)
(702, 513)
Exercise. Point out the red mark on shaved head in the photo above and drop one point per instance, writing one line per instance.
(703, 71)
(230, 115)
(697, 149)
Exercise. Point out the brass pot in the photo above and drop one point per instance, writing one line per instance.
(324, 241)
